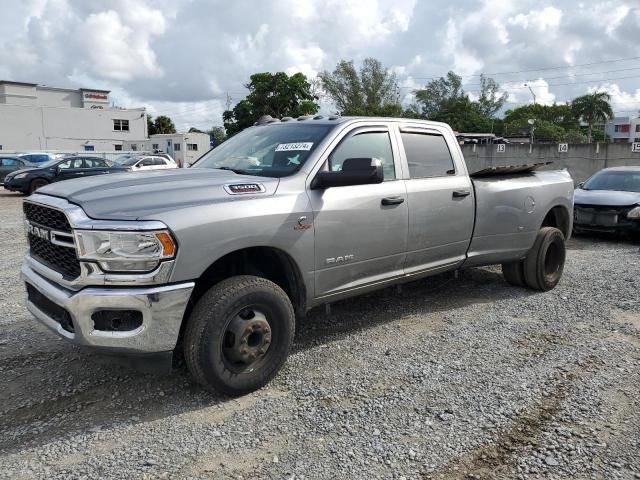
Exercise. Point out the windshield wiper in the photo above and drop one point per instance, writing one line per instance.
(239, 171)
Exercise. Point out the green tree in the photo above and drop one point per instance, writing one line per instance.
(371, 91)
(545, 131)
(439, 92)
(151, 128)
(164, 124)
(275, 94)
(195, 130)
(218, 134)
(592, 108)
(599, 135)
(463, 115)
(490, 100)
(561, 115)
(575, 136)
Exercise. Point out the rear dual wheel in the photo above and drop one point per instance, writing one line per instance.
(543, 266)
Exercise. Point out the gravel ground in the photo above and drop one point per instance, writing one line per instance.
(449, 378)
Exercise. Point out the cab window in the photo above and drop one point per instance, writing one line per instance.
(365, 145)
(427, 155)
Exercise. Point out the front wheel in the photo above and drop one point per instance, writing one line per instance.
(36, 184)
(544, 263)
(239, 335)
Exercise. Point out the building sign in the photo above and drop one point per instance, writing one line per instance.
(635, 147)
(501, 148)
(563, 147)
(96, 96)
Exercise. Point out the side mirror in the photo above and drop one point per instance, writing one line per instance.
(58, 171)
(355, 171)
(581, 184)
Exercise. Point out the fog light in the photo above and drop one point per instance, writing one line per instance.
(116, 320)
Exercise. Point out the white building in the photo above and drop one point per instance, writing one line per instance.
(181, 146)
(624, 129)
(36, 117)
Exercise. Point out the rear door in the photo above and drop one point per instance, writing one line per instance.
(360, 236)
(95, 166)
(440, 196)
(159, 163)
(145, 164)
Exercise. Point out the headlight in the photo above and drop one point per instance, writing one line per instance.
(125, 251)
(20, 175)
(634, 213)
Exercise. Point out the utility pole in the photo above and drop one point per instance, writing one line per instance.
(534, 95)
(228, 103)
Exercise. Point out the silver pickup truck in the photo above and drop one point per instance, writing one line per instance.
(221, 258)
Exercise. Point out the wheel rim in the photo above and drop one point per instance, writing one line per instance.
(552, 260)
(246, 339)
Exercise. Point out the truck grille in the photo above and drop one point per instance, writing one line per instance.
(47, 217)
(60, 258)
(599, 215)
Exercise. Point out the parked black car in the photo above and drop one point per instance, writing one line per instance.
(609, 202)
(28, 180)
(11, 164)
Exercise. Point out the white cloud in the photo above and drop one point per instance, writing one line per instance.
(520, 94)
(119, 47)
(183, 57)
(623, 103)
(547, 18)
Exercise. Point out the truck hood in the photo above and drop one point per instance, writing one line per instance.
(611, 198)
(140, 195)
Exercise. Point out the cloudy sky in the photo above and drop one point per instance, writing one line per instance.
(183, 57)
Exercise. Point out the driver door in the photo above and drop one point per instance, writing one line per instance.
(360, 230)
(72, 168)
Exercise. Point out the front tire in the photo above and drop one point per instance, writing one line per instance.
(36, 184)
(239, 335)
(544, 263)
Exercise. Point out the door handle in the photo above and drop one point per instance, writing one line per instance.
(461, 193)
(392, 201)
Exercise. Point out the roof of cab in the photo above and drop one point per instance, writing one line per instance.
(337, 119)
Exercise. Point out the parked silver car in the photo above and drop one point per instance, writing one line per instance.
(141, 163)
(609, 201)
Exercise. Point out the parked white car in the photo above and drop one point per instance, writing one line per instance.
(148, 162)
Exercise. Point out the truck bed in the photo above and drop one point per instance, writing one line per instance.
(511, 208)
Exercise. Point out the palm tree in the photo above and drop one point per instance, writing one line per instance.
(163, 124)
(592, 108)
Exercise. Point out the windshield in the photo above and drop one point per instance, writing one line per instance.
(269, 151)
(121, 159)
(127, 162)
(621, 181)
(49, 163)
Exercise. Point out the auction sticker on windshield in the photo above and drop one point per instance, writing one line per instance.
(287, 147)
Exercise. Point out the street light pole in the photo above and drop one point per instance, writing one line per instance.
(534, 95)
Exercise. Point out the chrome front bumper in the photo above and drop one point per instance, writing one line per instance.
(162, 309)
